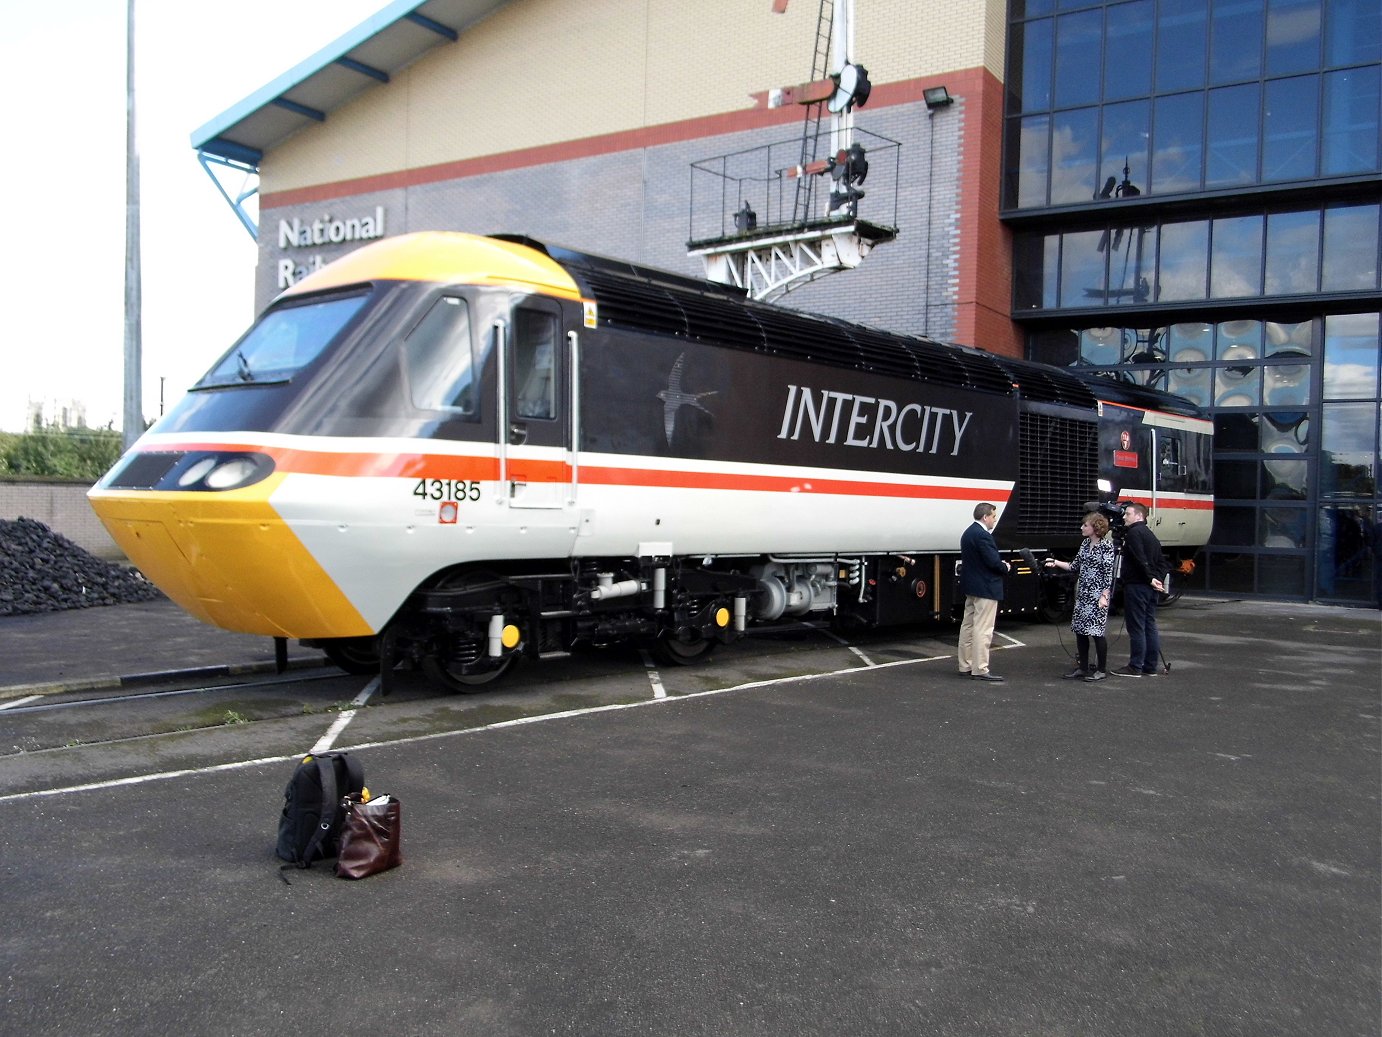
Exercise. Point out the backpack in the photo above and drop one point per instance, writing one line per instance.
(310, 826)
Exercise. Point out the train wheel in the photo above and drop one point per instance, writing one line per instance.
(681, 653)
(454, 678)
(358, 655)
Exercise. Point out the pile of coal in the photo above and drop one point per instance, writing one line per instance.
(43, 571)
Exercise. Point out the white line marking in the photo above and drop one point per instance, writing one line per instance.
(501, 725)
(333, 732)
(836, 637)
(19, 702)
(655, 679)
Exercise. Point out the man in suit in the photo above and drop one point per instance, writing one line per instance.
(981, 580)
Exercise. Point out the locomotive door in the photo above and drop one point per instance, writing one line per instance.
(535, 430)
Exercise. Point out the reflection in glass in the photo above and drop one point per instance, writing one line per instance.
(1177, 152)
(1101, 347)
(1235, 42)
(1350, 130)
(1346, 561)
(1237, 386)
(1292, 339)
(1293, 252)
(1128, 50)
(1033, 45)
(1350, 248)
(1239, 339)
(1074, 155)
(1078, 37)
(1282, 527)
(1083, 279)
(1181, 36)
(1123, 152)
(1286, 436)
(1286, 385)
(1232, 135)
(1235, 265)
(1348, 449)
(1190, 382)
(1293, 36)
(1034, 157)
(1183, 258)
(1289, 134)
(1351, 348)
(1353, 33)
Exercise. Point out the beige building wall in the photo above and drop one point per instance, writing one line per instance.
(538, 72)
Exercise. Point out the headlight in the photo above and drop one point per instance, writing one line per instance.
(231, 474)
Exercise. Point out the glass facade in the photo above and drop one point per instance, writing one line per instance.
(1194, 192)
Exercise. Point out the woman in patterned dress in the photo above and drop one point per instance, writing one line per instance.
(1093, 589)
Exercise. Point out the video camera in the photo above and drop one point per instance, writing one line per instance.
(1115, 511)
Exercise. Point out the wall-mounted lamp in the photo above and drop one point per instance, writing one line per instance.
(937, 97)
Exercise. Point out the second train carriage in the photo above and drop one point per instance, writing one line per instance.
(455, 450)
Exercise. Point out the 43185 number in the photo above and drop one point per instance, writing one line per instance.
(447, 489)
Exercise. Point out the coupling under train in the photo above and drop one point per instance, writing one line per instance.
(451, 451)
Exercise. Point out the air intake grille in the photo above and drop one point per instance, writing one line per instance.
(1058, 468)
(144, 471)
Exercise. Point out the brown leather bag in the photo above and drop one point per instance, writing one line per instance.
(371, 837)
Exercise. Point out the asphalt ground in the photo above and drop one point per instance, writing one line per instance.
(875, 850)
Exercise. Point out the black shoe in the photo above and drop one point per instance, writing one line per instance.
(1078, 673)
(1126, 671)
(993, 678)
(964, 673)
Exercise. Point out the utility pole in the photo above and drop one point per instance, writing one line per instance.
(134, 382)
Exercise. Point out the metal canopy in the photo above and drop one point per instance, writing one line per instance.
(364, 57)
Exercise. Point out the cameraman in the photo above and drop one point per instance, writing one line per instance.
(1144, 575)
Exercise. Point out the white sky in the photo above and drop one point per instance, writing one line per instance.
(62, 188)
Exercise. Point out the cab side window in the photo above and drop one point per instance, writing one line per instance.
(439, 358)
(534, 360)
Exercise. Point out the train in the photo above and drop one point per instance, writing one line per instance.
(449, 451)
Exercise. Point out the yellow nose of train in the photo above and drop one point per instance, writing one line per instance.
(228, 558)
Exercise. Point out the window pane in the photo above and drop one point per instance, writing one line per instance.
(1235, 527)
(1351, 349)
(1128, 50)
(1288, 125)
(1074, 139)
(439, 358)
(1235, 480)
(1350, 248)
(1350, 121)
(1235, 267)
(1177, 154)
(1353, 32)
(1293, 36)
(1181, 37)
(1034, 161)
(1346, 562)
(1101, 347)
(1232, 154)
(534, 357)
(1238, 386)
(1282, 527)
(1281, 574)
(1082, 270)
(1078, 39)
(1293, 252)
(1289, 340)
(1124, 156)
(1028, 267)
(1348, 450)
(1182, 258)
(1033, 48)
(283, 342)
(1235, 41)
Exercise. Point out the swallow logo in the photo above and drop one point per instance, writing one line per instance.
(674, 398)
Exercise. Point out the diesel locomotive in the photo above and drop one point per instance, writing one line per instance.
(451, 451)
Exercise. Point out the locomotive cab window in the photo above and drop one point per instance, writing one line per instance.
(439, 358)
(283, 342)
(534, 364)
